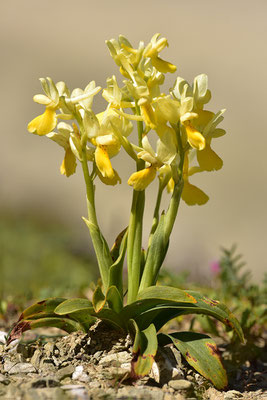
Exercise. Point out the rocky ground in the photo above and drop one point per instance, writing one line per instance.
(96, 365)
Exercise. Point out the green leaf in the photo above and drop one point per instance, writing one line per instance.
(72, 305)
(166, 293)
(144, 350)
(114, 299)
(155, 256)
(85, 306)
(201, 352)
(101, 250)
(99, 300)
(84, 318)
(159, 316)
(115, 271)
(46, 306)
(219, 311)
(115, 249)
(65, 324)
(199, 304)
(154, 298)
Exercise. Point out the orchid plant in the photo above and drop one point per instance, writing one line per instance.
(184, 131)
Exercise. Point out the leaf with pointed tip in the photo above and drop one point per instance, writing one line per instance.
(65, 324)
(166, 293)
(85, 306)
(201, 352)
(99, 300)
(72, 305)
(114, 299)
(219, 311)
(159, 304)
(43, 307)
(115, 249)
(156, 297)
(115, 270)
(144, 350)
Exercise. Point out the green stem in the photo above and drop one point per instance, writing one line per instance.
(100, 245)
(156, 213)
(134, 243)
(178, 188)
(160, 239)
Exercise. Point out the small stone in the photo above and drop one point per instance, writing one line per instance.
(21, 368)
(4, 380)
(35, 360)
(97, 355)
(49, 348)
(8, 365)
(214, 394)
(232, 395)
(65, 372)
(25, 350)
(94, 385)
(116, 358)
(179, 396)
(180, 384)
(47, 365)
(80, 375)
(3, 336)
(190, 378)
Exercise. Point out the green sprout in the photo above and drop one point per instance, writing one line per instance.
(184, 132)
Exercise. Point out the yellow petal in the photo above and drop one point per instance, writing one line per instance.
(208, 160)
(192, 195)
(110, 181)
(44, 123)
(195, 138)
(141, 179)
(162, 65)
(103, 162)
(148, 115)
(68, 166)
(170, 185)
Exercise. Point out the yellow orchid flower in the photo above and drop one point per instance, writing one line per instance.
(152, 50)
(69, 138)
(44, 123)
(194, 137)
(191, 194)
(165, 155)
(47, 121)
(141, 179)
(101, 131)
(68, 166)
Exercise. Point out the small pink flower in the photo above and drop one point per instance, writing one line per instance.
(215, 267)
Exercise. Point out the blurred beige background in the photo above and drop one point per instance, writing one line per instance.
(66, 40)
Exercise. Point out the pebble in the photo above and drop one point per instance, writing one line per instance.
(232, 395)
(180, 384)
(49, 348)
(4, 380)
(3, 337)
(35, 360)
(80, 375)
(121, 357)
(21, 368)
(65, 372)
